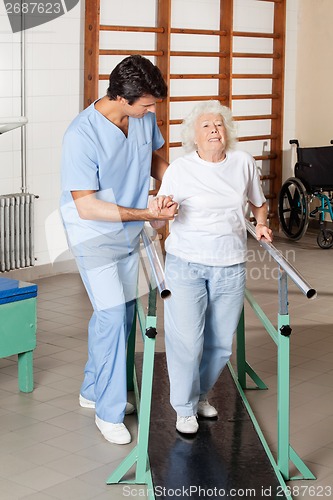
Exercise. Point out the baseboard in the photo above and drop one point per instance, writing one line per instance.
(44, 271)
(314, 224)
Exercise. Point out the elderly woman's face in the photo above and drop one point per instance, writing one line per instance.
(210, 133)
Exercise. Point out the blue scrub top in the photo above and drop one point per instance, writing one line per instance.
(98, 156)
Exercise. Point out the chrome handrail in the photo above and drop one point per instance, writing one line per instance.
(155, 264)
(293, 274)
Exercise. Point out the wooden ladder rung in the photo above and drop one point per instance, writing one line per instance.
(116, 52)
(197, 98)
(136, 29)
(273, 116)
(257, 55)
(257, 137)
(194, 76)
(250, 76)
(189, 31)
(178, 53)
(270, 156)
(255, 34)
(238, 97)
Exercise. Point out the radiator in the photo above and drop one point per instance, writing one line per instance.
(16, 231)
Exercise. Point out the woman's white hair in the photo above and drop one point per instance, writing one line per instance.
(188, 124)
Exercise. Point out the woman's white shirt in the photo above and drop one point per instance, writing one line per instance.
(210, 226)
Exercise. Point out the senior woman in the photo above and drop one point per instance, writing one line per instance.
(206, 253)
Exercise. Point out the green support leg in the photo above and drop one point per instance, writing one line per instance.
(243, 367)
(130, 356)
(283, 384)
(285, 452)
(139, 454)
(260, 434)
(300, 465)
(145, 403)
(281, 336)
(25, 371)
(240, 352)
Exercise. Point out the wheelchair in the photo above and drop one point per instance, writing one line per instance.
(313, 179)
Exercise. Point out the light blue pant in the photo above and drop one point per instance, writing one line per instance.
(112, 291)
(200, 317)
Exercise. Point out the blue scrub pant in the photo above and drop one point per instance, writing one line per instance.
(200, 319)
(112, 292)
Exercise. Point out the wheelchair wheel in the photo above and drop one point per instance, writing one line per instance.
(325, 238)
(293, 208)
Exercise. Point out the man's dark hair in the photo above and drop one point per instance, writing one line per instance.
(134, 77)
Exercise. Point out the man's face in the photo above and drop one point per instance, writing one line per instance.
(141, 107)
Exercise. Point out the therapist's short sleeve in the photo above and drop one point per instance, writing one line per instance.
(157, 139)
(79, 164)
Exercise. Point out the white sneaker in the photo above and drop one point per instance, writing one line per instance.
(187, 425)
(206, 410)
(114, 433)
(87, 403)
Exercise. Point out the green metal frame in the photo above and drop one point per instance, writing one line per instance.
(139, 454)
(281, 336)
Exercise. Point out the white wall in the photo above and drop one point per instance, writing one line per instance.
(314, 103)
(290, 86)
(54, 62)
(54, 95)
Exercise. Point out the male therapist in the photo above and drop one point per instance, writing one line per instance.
(109, 154)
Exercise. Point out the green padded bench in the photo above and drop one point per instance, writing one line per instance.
(18, 319)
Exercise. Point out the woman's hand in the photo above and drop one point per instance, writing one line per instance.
(159, 205)
(263, 231)
(162, 208)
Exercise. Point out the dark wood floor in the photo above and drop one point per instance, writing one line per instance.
(224, 459)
